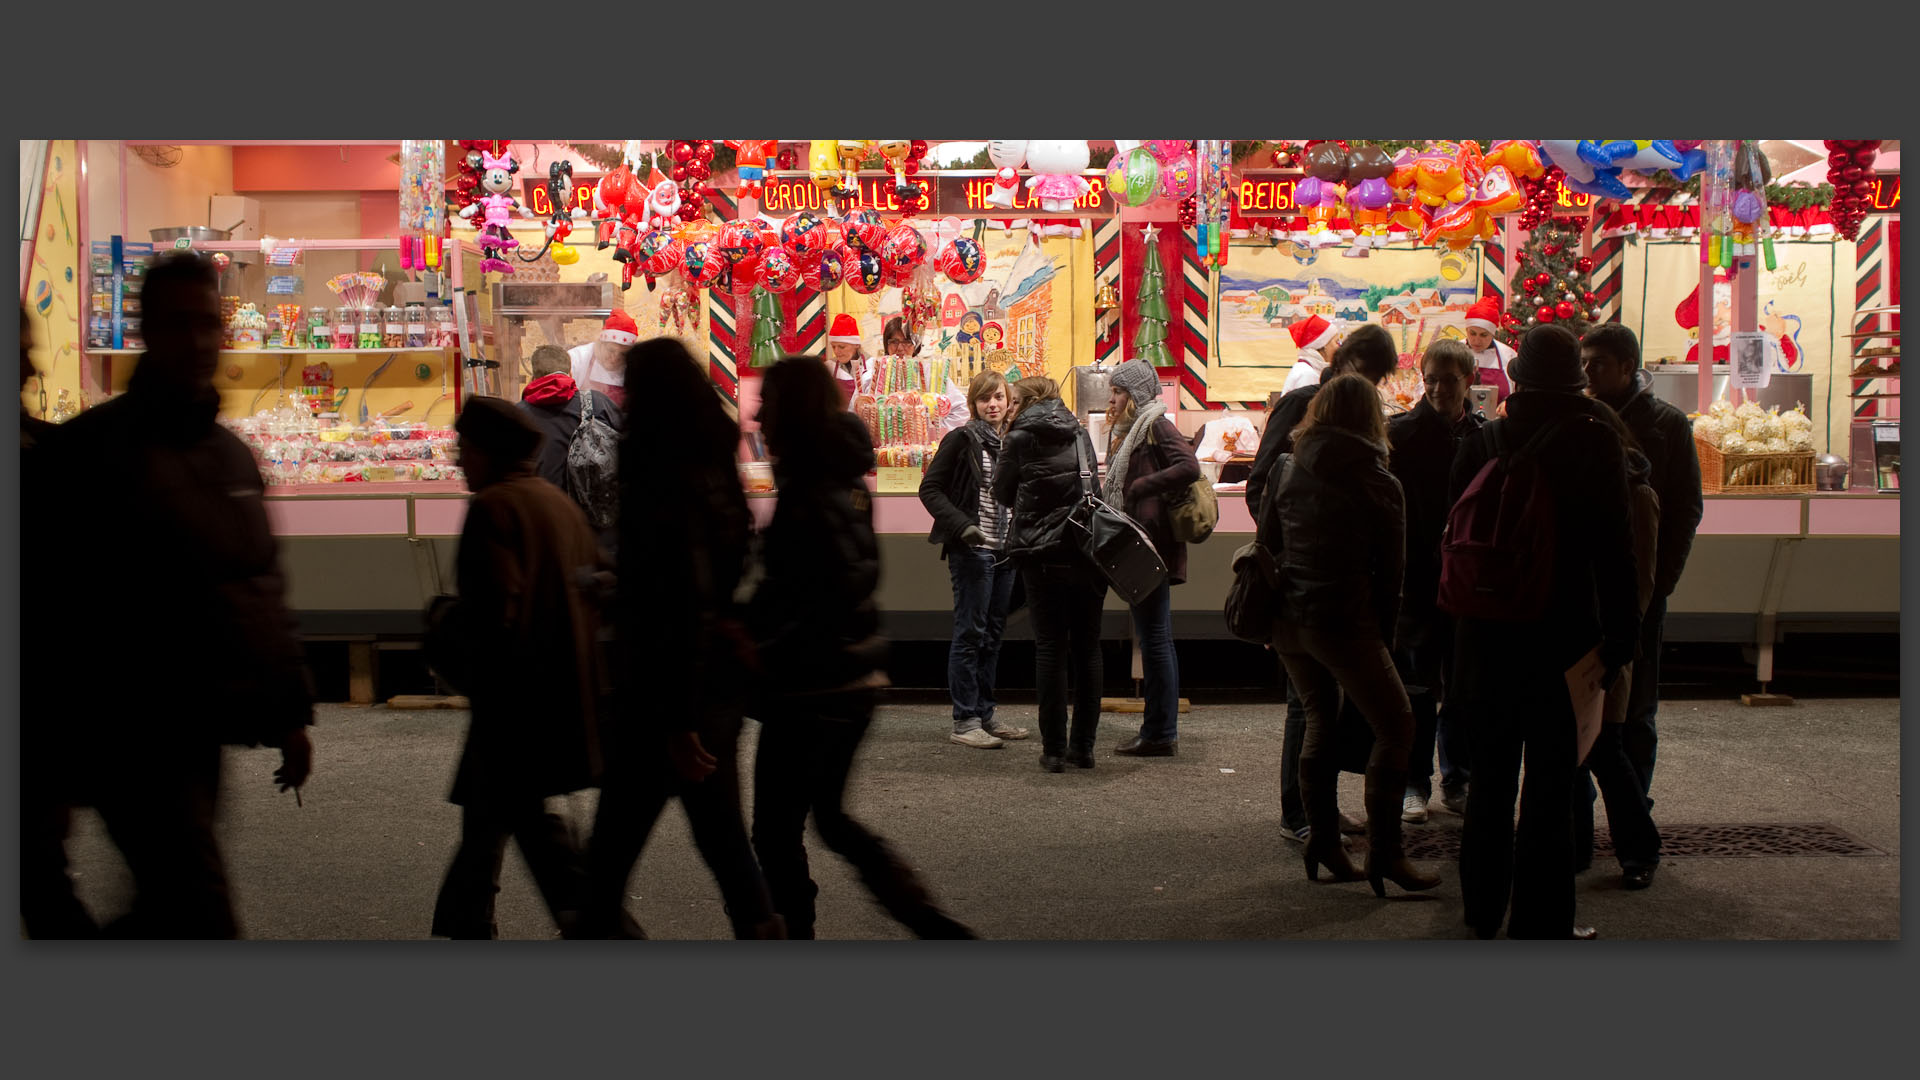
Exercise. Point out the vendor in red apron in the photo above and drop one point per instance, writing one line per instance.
(1314, 336)
(852, 370)
(601, 365)
(1490, 356)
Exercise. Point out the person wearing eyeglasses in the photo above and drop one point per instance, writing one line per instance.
(898, 340)
(1423, 441)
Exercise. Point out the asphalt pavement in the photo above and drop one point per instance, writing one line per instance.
(1182, 848)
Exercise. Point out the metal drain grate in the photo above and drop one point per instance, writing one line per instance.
(1752, 841)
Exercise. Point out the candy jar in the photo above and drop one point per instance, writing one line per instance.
(445, 331)
(370, 327)
(319, 329)
(416, 326)
(395, 335)
(346, 325)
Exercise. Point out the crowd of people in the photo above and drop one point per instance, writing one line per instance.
(632, 620)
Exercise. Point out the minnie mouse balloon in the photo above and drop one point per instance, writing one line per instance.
(865, 274)
(1179, 177)
(804, 235)
(777, 271)
(825, 273)
(904, 248)
(961, 261)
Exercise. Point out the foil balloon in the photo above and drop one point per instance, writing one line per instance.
(826, 272)
(713, 268)
(904, 248)
(661, 253)
(1179, 177)
(778, 272)
(1520, 158)
(804, 234)
(737, 241)
(865, 231)
(864, 273)
(961, 261)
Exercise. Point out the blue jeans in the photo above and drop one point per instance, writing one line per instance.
(982, 592)
(1293, 739)
(1153, 629)
(1638, 737)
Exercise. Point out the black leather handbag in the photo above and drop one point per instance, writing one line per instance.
(1253, 599)
(1113, 541)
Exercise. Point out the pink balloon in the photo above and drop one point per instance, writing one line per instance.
(1179, 176)
(1684, 145)
(1165, 150)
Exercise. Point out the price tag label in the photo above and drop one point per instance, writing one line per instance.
(895, 480)
(184, 243)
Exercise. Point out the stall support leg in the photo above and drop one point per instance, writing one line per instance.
(1777, 573)
(360, 672)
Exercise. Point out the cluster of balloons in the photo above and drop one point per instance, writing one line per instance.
(1850, 171)
(1593, 166)
(1157, 168)
(1449, 191)
(804, 250)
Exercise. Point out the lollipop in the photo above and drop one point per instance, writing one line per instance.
(826, 272)
(904, 248)
(960, 260)
(803, 235)
(777, 271)
(865, 273)
(865, 231)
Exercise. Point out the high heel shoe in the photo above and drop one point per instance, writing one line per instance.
(1334, 859)
(1399, 871)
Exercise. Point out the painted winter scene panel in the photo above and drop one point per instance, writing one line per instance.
(1416, 294)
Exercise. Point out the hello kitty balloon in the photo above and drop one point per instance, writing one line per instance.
(1006, 155)
(1057, 166)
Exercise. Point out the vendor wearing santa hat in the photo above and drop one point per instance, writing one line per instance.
(1313, 335)
(1490, 357)
(852, 370)
(601, 365)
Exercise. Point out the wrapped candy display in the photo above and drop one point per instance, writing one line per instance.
(1750, 449)
(247, 328)
(905, 413)
(294, 447)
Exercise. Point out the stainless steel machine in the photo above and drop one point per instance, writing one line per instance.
(1679, 385)
(527, 315)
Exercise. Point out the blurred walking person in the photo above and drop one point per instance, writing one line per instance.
(1038, 476)
(559, 407)
(193, 613)
(521, 641)
(821, 659)
(675, 730)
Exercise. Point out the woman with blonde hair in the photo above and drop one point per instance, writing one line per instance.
(1341, 523)
(971, 529)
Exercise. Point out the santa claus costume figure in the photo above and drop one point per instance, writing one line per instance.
(1688, 316)
(601, 365)
(1489, 356)
(1313, 335)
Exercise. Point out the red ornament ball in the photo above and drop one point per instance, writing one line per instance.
(1588, 298)
(1542, 278)
(680, 151)
(1565, 309)
(703, 150)
(1583, 264)
(1545, 315)
(918, 149)
(1551, 249)
(1530, 285)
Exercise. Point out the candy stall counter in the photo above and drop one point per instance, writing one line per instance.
(295, 449)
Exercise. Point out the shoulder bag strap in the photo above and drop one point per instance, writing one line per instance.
(1086, 470)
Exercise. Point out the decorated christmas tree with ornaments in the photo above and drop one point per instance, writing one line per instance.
(1551, 283)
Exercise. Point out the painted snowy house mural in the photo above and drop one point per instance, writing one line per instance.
(1028, 299)
(1316, 301)
(1394, 315)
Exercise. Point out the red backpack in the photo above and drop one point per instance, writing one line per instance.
(1497, 557)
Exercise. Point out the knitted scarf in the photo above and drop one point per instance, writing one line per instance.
(1115, 489)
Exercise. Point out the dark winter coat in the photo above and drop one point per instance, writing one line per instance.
(1593, 596)
(181, 587)
(527, 622)
(557, 415)
(1038, 476)
(813, 617)
(1342, 543)
(1161, 470)
(951, 488)
(1422, 447)
(1666, 437)
(1276, 440)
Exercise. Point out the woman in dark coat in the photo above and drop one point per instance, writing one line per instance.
(821, 658)
(1039, 477)
(521, 641)
(1342, 551)
(1150, 467)
(675, 729)
(971, 529)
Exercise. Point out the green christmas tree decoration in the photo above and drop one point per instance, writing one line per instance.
(1552, 250)
(768, 321)
(1150, 337)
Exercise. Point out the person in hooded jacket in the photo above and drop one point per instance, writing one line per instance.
(1150, 467)
(1341, 520)
(1038, 476)
(1514, 672)
(1424, 440)
(971, 529)
(677, 712)
(820, 657)
(556, 405)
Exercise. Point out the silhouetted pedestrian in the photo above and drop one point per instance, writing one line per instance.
(1515, 671)
(185, 595)
(1038, 476)
(558, 407)
(521, 642)
(821, 659)
(676, 726)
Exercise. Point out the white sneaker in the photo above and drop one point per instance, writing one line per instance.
(1413, 809)
(979, 739)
